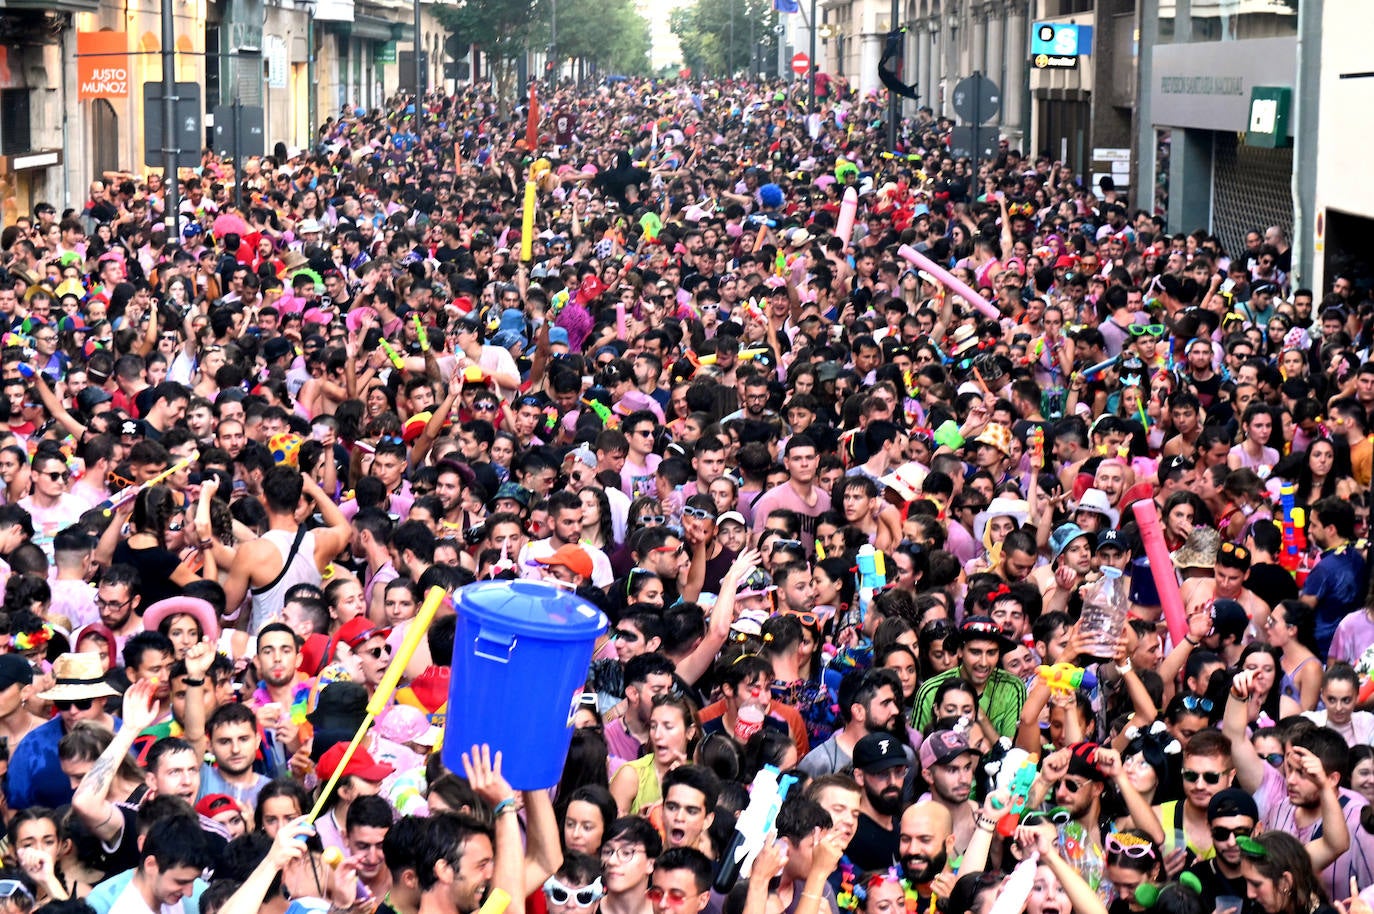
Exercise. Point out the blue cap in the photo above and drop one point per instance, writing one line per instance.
(1062, 536)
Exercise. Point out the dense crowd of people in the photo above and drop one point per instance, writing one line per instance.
(847, 442)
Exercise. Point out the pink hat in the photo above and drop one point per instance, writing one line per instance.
(354, 320)
(198, 609)
(317, 316)
(407, 724)
(635, 400)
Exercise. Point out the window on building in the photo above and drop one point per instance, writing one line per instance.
(15, 135)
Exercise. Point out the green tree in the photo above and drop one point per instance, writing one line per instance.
(504, 30)
(704, 30)
(609, 33)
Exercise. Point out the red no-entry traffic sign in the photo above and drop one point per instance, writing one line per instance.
(800, 63)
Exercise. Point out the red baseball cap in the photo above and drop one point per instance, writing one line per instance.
(357, 630)
(572, 557)
(212, 804)
(361, 765)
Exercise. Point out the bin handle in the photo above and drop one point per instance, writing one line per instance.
(492, 648)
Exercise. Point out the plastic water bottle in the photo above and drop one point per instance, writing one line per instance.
(1104, 613)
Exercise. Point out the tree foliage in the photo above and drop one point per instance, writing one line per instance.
(502, 29)
(609, 33)
(703, 29)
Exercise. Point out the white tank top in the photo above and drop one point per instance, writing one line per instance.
(267, 603)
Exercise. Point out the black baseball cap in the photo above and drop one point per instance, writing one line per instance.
(1232, 802)
(879, 752)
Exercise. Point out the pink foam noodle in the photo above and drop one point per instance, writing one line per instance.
(849, 208)
(1161, 568)
(921, 261)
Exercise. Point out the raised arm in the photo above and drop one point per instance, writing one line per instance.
(330, 539)
(483, 772)
(695, 665)
(1335, 831)
(1250, 767)
(92, 801)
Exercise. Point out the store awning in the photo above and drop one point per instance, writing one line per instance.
(52, 6)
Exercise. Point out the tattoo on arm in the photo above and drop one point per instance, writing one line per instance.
(97, 781)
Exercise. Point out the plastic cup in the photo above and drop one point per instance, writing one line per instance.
(749, 722)
(1228, 904)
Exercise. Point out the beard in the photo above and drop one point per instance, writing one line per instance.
(919, 869)
(887, 802)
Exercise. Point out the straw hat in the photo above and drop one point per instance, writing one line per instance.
(78, 676)
(1200, 549)
(965, 338)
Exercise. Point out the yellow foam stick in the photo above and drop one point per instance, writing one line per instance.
(420, 332)
(527, 223)
(418, 627)
(332, 857)
(393, 355)
(496, 902)
(744, 356)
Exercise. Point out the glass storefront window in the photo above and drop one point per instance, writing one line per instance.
(1226, 20)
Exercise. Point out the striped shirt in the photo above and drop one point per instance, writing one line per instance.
(1278, 813)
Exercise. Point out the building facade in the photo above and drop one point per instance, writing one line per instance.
(1205, 161)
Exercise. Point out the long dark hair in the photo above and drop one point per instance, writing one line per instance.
(586, 761)
(153, 509)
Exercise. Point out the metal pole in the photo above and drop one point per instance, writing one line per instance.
(238, 150)
(419, 74)
(730, 74)
(894, 103)
(811, 76)
(171, 203)
(553, 48)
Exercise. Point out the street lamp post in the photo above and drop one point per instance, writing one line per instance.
(811, 74)
(419, 73)
(553, 47)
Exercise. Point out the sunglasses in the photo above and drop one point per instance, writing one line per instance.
(1207, 777)
(621, 634)
(1059, 817)
(1072, 785)
(1144, 329)
(698, 513)
(1275, 759)
(584, 897)
(81, 704)
(652, 520)
(1136, 850)
(1194, 703)
(1240, 552)
(675, 897)
(9, 888)
(377, 653)
(809, 619)
(1221, 835)
(57, 475)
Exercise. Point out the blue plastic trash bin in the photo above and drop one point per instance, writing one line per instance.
(521, 651)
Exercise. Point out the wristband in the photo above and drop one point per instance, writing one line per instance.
(986, 824)
(1191, 641)
(193, 682)
(506, 805)
(1124, 667)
